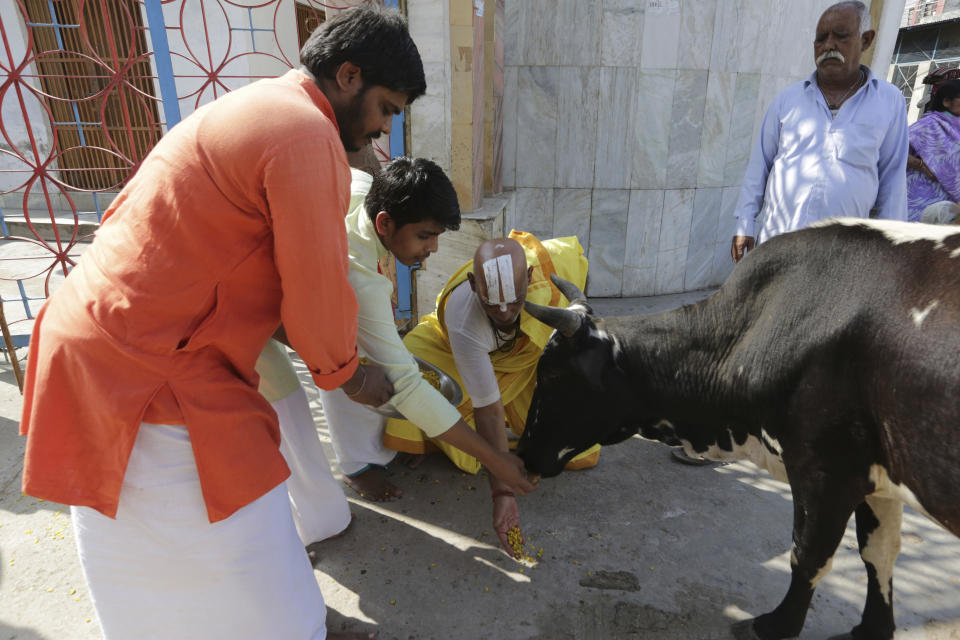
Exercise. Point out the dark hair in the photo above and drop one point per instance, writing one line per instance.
(374, 39)
(411, 190)
(946, 91)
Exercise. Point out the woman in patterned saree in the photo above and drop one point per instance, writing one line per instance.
(933, 166)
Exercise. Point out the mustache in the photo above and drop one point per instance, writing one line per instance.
(827, 55)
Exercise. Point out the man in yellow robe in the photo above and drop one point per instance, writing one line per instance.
(481, 336)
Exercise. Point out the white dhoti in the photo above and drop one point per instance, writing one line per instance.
(161, 570)
(356, 431)
(320, 509)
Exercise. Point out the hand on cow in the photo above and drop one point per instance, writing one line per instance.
(740, 246)
(506, 516)
(369, 385)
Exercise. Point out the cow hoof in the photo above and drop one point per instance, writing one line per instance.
(744, 630)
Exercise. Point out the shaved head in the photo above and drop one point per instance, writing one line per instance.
(499, 279)
(500, 269)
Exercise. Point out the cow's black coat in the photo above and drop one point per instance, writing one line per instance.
(835, 350)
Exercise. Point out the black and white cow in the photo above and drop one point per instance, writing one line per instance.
(830, 357)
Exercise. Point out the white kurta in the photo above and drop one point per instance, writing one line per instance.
(356, 432)
(355, 429)
(320, 509)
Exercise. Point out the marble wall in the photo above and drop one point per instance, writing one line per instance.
(630, 123)
(430, 115)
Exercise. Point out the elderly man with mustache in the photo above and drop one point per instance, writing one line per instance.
(832, 145)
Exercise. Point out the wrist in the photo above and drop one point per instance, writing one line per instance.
(359, 387)
(499, 493)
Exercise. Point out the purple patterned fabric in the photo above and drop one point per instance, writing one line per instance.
(935, 138)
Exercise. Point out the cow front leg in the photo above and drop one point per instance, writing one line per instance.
(878, 536)
(818, 526)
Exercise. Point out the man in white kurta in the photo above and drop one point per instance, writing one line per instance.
(356, 430)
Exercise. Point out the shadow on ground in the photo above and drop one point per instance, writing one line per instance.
(705, 546)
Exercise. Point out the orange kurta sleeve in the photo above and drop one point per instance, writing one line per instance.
(303, 186)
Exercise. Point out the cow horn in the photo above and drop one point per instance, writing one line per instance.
(567, 288)
(563, 320)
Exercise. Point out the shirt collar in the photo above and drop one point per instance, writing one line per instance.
(316, 96)
(368, 232)
(871, 79)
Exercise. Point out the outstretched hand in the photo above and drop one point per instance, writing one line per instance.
(506, 516)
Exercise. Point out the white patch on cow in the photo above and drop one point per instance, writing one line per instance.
(822, 572)
(899, 232)
(884, 487)
(920, 316)
(753, 450)
(883, 543)
(599, 333)
(615, 348)
(771, 442)
(564, 452)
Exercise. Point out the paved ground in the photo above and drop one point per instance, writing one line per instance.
(639, 547)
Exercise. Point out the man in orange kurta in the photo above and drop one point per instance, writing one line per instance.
(141, 406)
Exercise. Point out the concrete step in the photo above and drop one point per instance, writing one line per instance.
(12, 203)
(86, 223)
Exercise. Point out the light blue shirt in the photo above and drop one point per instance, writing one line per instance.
(808, 165)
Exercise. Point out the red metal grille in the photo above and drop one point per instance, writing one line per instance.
(308, 19)
(92, 64)
(85, 97)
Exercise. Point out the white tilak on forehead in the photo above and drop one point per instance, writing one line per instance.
(499, 272)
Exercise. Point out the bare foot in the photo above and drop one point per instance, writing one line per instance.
(349, 635)
(373, 486)
(412, 460)
(313, 553)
